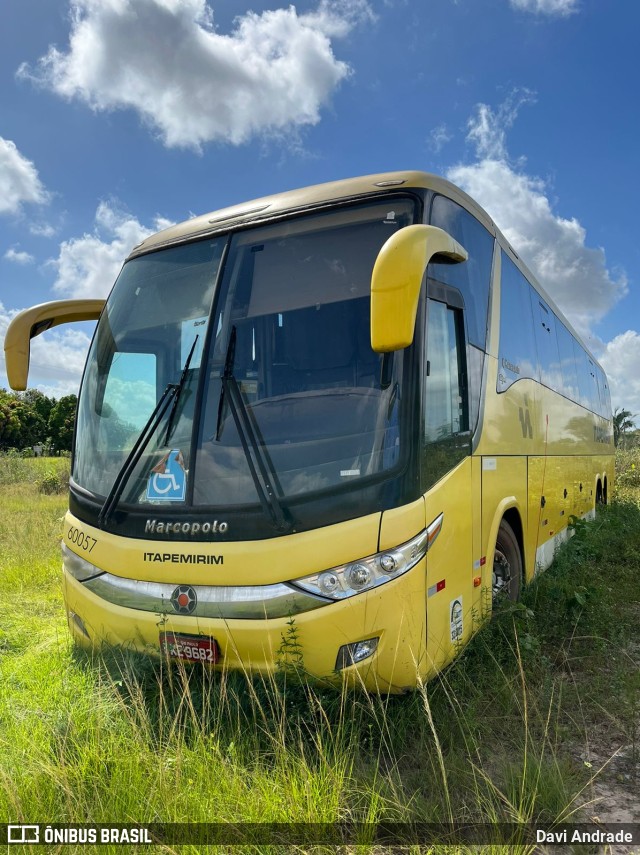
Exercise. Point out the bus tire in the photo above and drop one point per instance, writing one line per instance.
(599, 493)
(507, 566)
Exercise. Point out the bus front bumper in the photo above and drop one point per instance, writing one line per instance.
(392, 615)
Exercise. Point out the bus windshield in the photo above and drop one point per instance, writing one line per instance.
(285, 333)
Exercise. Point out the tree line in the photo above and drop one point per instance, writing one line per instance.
(30, 418)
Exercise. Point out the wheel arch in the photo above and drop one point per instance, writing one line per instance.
(509, 510)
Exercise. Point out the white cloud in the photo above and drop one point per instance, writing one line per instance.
(559, 8)
(554, 247)
(439, 137)
(5, 317)
(88, 266)
(164, 59)
(59, 355)
(575, 275)
(57, 390)
(488, 129)
(19, 181)
(18, 257)
(620, 360)
(42, 230)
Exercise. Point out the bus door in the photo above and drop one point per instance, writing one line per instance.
(446, 470)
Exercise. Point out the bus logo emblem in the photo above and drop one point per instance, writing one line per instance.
(184, 600)
(525, 422)
(168, 479)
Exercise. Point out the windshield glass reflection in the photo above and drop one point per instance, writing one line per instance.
(296, 298)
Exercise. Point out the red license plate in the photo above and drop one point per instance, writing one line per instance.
(189, 648)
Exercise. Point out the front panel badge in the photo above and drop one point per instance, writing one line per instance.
(184, 600)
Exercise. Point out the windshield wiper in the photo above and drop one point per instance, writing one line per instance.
(171, 393)
(178, 391)
(227, 372)
(263, 474)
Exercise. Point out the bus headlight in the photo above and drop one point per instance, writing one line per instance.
(359, 576)
(351, 654)
(328, 582)
(366, 573)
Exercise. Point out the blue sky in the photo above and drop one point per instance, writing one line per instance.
(118, 117)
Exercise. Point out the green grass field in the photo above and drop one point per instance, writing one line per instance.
(529, 724)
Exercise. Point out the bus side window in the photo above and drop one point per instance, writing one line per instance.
(547, 343)
(473, 277)
(568, 363)
(585, 396)
(594, 395)
(603, 388)
(446, 411)
(518, 354)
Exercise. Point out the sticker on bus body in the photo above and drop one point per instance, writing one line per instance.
(168, 479)
(455, 612)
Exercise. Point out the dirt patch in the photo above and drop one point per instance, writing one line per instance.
(614, 794)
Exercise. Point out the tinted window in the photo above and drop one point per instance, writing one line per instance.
(130, 394)
(445, 401)
(158, 306)
(584, 376)
(605, 399)
(446, 416)
(547, 343)
(594, 397)
(567, 362)
(517, 351)
(471, 277)
(475, 365)
(292, 331)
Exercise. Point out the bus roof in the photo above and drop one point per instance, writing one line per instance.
(297, 200)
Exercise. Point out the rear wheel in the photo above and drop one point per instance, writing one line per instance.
(599, 494)
(507, 565)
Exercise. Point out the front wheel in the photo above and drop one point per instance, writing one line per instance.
(507, 566)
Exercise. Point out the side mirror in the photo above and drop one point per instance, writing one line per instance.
(396, 280)
(31, 322)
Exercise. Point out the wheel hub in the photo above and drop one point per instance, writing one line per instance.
(501, 577)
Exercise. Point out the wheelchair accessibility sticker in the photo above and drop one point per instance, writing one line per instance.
(168, 480)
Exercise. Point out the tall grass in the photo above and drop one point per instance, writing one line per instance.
(16, 469)
(496, 738)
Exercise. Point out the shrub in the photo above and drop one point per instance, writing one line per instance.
(53, 480)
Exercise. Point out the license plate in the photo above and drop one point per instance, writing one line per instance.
(189, 648)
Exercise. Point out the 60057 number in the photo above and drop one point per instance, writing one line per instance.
(79, 538)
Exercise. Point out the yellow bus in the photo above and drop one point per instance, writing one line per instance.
(349, 409)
